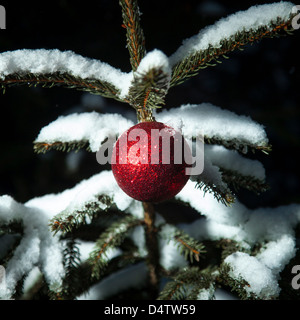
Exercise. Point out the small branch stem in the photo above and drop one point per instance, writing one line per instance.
(144, 115)
(152, 246)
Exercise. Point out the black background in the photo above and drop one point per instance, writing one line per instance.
(262, 81)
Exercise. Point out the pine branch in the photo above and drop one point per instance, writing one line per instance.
(173, 290)
(222, 195)
(218, 126)
(241, 146)
(229, 246)
(210, 180)
(186, 284)
(189, 247)
(111, 238)
(72, 280)
(191, 65)
(134, 32)
(68, 221)
(43, 147)
(148, 91)
(237, 286)
(49, 80)
(13, 227)
(19, 288)
(239, 181)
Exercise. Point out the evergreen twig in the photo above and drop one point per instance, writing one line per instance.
(240, 181)
(186, 284)
(66, 80)
(43, 147)
(239, 145)
(188, 246)
(112, 237)
(134, 32)
(238, 286)
(192, 64)
(67, 221)
(221, 193)
(148, 91)
(72, 278)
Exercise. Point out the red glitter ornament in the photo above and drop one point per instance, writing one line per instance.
(149, 162)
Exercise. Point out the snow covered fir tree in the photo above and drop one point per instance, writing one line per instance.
(94, 241)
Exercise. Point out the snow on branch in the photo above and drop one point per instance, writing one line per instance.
(151, 82)
(210, 180)
(37, 248)
(218, 126)
(228, 34)
(273, 226)
(87, 199)
(72, 207)
(54, 67)
(189, 247)
(237, 170)
(76, 131)
(262, 271)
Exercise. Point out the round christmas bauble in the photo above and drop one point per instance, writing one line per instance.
(149, 162)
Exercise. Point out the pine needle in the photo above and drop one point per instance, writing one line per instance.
(191, 65)
(134, 32)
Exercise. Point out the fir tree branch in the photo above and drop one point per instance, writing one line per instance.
(229, 246)
(68, 221)
(189, 247)
(13, 226)
(34, 290)
(72, 279)
(223, 195)
(134, 32)
(173, 290)
(192, 64)
(43, 147)
(49, 80)
(148, 91)
(112, 237)
(237, 286)
(84, 272)
(210, 180)
(239, 145)
(239, 181)
(186, 284)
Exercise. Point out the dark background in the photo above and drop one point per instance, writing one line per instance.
(262, 81)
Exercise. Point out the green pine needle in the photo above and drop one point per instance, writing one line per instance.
(134, 33)
(186, 284)
(112, 237)
(240, 181)
(189, 247)
(192, 64)
(65, 80)
(68, 221)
